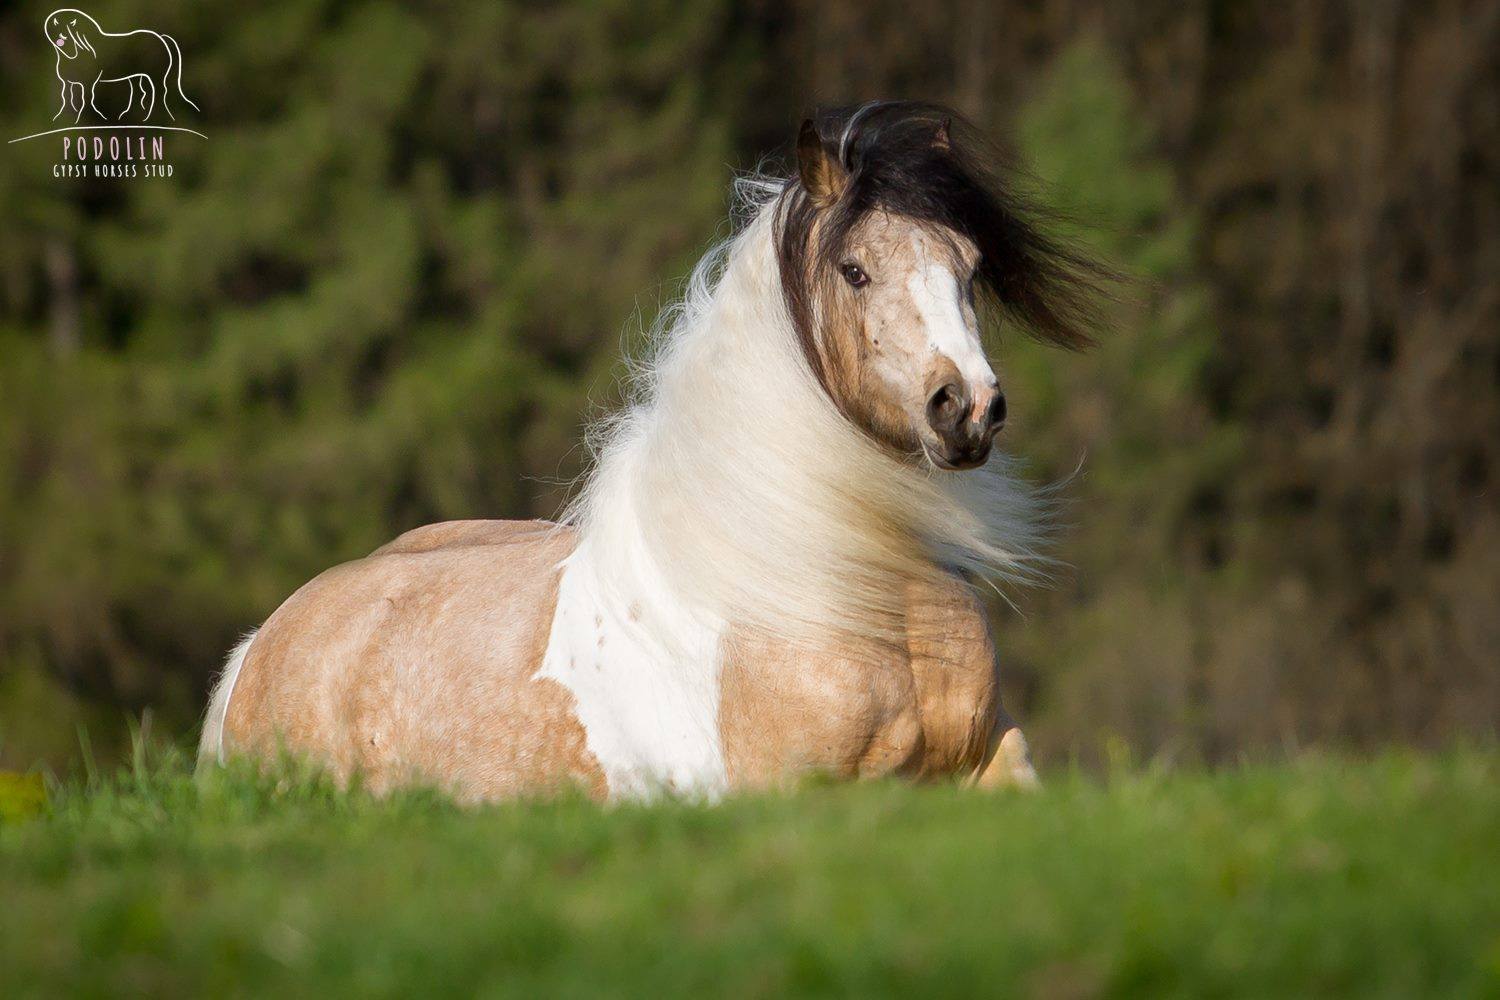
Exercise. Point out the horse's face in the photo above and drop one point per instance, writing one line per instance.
(903, 354)
(63, 29)
(893, 225)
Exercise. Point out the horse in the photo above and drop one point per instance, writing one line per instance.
(773, 567)
(87, 56)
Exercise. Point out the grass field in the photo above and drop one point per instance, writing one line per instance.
(1324, 876)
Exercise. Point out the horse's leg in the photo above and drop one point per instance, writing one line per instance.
(76, 90)
(64, 105)
(130, 100)
(149, 86)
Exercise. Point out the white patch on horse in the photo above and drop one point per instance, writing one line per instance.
(644, 673)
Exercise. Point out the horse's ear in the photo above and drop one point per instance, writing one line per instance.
(822, 176)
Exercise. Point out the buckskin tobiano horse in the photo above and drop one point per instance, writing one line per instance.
(771, 569)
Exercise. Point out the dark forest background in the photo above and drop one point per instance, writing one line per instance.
(396, 278)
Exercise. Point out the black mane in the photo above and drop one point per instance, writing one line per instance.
(925, 162)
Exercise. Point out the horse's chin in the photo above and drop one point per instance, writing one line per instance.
(953, 463)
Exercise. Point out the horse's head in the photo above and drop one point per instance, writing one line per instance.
(69, 32)
(894, 239)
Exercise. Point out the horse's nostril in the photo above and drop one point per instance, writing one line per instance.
(945, 408)
(995, 415)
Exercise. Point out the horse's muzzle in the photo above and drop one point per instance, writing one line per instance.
(965, 423)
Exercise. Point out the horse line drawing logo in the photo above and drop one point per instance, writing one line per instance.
(116, 87)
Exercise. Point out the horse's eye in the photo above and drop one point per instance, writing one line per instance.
(855, 275)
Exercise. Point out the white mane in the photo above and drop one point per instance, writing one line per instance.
(754, 500)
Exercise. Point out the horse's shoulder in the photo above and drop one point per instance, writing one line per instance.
(468, 534)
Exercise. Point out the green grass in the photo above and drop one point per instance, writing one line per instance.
(1323, 876)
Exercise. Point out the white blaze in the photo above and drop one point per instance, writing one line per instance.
(951, 329)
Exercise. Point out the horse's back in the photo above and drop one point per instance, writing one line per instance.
(418, 661)
(465, 534)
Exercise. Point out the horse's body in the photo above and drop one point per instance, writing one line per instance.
(766, 573)
(422, 662)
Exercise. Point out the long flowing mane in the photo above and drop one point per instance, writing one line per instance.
(731, 479)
